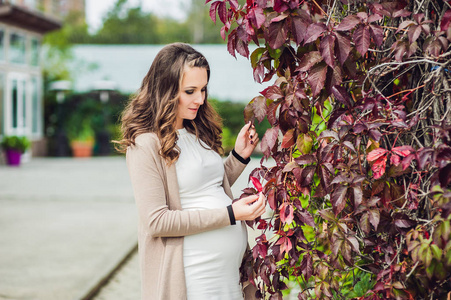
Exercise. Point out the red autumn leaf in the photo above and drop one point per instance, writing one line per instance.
(298, 29)
(242, 47)
(314, 31)
(414, 32)
(317, 78)
(277, 34)
(348, 23)
(377, 33)
(309, 60)
(259, 108)
(272, 92)
(361, 38)
(262, 250)
(338, 198)
(256, 183)
(374, 217)
(342, 47)
(307, 266)
(222, 12)
(403, 150)
(379, 167)
(341, 95)
(213, 8)
(406, 161)
(262, 224)
(256, 16)
(286, 213)
(326, 48)
(233, 4)
(446, 20)
(307, 218)
(395, 160)
(288, 139)
(285, 244)
(269, 140)
(376, 153)
(231, 43)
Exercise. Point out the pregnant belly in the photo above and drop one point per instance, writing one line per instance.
(211, 262)
(216, 248)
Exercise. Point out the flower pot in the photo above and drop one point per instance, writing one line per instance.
(82, 148)
(13, 157)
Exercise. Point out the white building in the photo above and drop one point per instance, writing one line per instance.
(21, 98)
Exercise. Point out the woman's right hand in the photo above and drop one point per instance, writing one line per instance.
(249, 208)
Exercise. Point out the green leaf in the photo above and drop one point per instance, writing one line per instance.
(304, 143)
(448, 254)
(256, 55)
(436, 252)
(327, 215)
(274, 53)
(426, 254)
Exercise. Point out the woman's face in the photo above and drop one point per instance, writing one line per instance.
(192, 94)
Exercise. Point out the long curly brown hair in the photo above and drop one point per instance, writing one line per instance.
(154, 107)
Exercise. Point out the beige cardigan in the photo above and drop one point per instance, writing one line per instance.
(162, 222)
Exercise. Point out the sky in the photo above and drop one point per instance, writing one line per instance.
(97, 9)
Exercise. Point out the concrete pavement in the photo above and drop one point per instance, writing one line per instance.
(64, 224)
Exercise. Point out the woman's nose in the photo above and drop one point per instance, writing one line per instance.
(199, 99)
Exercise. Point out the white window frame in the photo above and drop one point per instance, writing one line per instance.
(40, 109)
(24, 126)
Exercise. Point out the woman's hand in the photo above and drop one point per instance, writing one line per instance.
(249, 208)
(246, 141)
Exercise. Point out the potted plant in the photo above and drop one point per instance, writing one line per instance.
(82, 139)
(14, 146)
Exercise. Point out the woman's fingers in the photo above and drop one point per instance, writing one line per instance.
(245, 128)
(250, 199)
(249, 208)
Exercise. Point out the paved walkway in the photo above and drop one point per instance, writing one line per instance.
(66, 224)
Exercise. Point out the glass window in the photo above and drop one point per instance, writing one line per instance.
(15, 103)
(17, 48)
(36, 106)
(35, 52)
(2, 44)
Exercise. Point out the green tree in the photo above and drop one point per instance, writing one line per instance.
(127, 26)
(201, 29)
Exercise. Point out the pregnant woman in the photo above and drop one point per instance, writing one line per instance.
(190, 235)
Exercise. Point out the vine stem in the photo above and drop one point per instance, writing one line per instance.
(405, 91)
(320, 8)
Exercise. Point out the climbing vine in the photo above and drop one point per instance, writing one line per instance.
(361, 135)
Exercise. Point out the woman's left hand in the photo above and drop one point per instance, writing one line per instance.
(246, 141)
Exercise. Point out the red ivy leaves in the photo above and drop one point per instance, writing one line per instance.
(256, 183)
(379, 156)
(325, 64)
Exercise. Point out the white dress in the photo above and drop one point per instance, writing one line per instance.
(211, 259)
